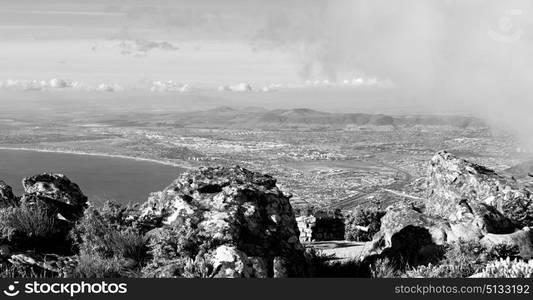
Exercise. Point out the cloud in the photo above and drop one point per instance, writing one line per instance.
(56, 84)
(169, 86)
(133, 44)
(141, 47)
(474, 54)
(240, 87)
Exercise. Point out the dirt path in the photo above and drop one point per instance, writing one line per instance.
(343, 250)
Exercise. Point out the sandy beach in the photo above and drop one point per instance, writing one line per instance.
(163, 162)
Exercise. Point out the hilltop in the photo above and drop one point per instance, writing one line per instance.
(251, 117)
(233, 222)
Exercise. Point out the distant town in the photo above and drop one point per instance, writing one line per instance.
(327, 165)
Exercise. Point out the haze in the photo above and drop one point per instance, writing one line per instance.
(467, 56)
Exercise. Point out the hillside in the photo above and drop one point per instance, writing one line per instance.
(232, 222)
(278, 119)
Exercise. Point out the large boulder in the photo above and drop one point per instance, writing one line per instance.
(236, 220)
(521, 239)
(414, 238)
(466, 202)
(7, 198)
(57, 192)
(457, 187)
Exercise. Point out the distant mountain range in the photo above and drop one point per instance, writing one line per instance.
(523, 170)
(227, 117)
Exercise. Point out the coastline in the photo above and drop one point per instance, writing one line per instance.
(162, 162)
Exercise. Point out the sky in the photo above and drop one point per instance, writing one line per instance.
(198, 42)
(469, 53)
(418, 44)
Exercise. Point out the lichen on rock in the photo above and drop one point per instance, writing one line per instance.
(238, 220)
(457, 187)
(464, 202)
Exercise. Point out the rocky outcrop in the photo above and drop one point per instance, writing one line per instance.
(48, 265)
(465, 201)
(457, 188)
(413, 237)
(7, 198)
(57, 192)
(236, 220)
(34, 230)
(521, 239)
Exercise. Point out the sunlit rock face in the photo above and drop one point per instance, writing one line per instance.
(464, 202)
(242, 224)
(459, 189)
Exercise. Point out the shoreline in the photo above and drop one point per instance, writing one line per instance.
(162, 162)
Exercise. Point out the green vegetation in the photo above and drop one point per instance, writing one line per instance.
(112, 241)
(96, 266)
(32, 225)
(460, 260)
(507, 268)
(362, 224)
(107, 243)
(100, 234)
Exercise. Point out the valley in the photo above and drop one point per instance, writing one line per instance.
(324, 160)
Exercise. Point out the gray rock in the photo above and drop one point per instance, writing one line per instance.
(44, 263)
(522, 239)
(7, 198)
(56, 191)
(466, 202)
(457, 188)
(415, 238)
(243, 223)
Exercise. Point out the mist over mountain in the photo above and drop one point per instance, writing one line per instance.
(304, 117)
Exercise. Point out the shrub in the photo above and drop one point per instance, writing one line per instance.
(108, 243)
(311, 210)
(98, 235)
(174, 242)
(32, 225)
(461, 259)
(120, 215)
(384, 268)
(369, 218)
(467, 256)
(21, 271)
(185, 267)
(177, 251)
(95, 266)
(504, 251)
(507, 268)
(436, 271)
(196, 268)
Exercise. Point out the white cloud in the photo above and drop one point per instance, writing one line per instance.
(169, 86)
(56, 84)
(240, 87)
